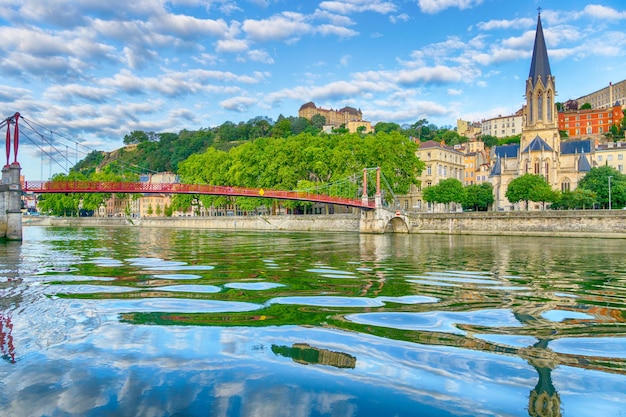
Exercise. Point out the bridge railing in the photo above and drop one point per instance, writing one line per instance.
(179, 188)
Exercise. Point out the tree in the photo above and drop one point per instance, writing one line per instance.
(586, 106)
(574, 200)
(530, 187)
(597, 181)
(447, 191)
(478, 197)
(135, 137)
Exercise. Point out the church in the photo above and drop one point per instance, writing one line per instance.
(540, 151)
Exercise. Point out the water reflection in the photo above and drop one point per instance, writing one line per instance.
(148, 322)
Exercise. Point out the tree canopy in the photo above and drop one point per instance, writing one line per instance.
(530, 187)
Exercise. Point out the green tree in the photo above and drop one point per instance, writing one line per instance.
(447, 191)
(586, 106)
(574, 200)
(134, 137)
(597, 181)
(478, 197)
(530, 187)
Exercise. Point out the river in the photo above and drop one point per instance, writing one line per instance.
(151, 322)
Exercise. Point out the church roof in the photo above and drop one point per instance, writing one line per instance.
(539, 66)
(538, 144)
(583, 164)
(497, 168)
(576, 146)
(507, 151)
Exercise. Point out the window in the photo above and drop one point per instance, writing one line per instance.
(565, 185)
(620, 157)
(620, 168)
(609, 158)
(600, 158)
(429, 170)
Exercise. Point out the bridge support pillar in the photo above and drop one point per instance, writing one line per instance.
(11, 203)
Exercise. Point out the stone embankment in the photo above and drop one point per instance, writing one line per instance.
(587, 223)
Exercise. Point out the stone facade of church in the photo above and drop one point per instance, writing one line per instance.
(540, 151)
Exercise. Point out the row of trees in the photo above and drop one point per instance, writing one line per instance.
(592, 192)
(477, 197)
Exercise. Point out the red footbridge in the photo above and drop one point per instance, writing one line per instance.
(39, 187)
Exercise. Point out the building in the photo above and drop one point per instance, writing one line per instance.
(606, 97)
(441, 162)
(612, 154)
(476, 162)
(540, 151)
(335, 118)
(502, 126)
(470, 130)
(356, 126)
(590, 123)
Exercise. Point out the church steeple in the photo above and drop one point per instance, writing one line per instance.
(539, 66)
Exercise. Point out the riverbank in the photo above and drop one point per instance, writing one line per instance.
(581, 223)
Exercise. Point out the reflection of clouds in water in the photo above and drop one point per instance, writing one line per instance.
(254, 286)
(328, 301)
(156, 370)
(437, 321)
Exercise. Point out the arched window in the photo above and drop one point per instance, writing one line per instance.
(565, 184)
(547, 170)
(549, 106)
(531, 108)
(540, 105)
(537, 167)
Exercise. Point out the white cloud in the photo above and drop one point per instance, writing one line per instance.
(506, 24)
(454, 91)
(358, 6)
(604, 13)
(436, 6)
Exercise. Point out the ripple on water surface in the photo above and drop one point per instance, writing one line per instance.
(254, 286)
(330, 301)
(437, 321)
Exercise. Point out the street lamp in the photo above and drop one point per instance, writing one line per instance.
(610, 176)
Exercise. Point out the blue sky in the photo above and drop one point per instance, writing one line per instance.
(91, 72)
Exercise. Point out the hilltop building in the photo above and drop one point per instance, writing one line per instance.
(470, 130)
(541, 150)
(606, 97)
(334, 118)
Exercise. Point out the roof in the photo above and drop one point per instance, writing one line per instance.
(434, 144)
(307, 105)
(497, 168)
(538, 144)
(576, 146)
(507, 151)
(350, 110)
(539, 66)
(583, 164)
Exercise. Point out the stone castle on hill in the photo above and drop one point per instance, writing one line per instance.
(349, 117)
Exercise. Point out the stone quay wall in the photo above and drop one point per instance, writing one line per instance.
(580, 223)
(587, 223)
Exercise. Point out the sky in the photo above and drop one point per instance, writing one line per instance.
(88, 72)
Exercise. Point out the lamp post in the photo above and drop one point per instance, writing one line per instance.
(610, 176)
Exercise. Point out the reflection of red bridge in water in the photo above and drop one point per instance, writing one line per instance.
(39, 187)
(6, 338)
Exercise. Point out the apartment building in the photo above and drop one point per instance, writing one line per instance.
(441, 162)
(612, 154)
(590, 123)
(502, 126)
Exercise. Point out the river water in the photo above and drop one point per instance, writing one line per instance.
(151, 322)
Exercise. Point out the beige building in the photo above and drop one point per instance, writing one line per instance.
(470, 130)
(441, 162)
(612, 154)
(540, 151)
(502, 126)
(355, 126)
(606, 97)
(334, 118)
(476, 161)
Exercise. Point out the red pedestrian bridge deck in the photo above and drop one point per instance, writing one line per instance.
(40, 187)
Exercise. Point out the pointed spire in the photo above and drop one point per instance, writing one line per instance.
(540, 66)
